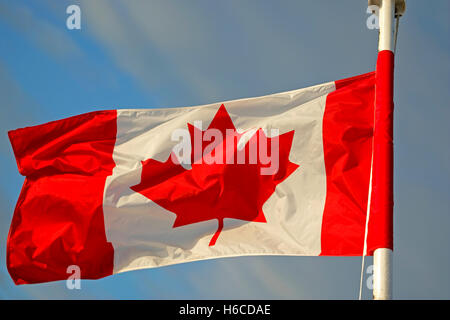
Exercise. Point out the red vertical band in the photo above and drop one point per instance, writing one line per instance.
(380, 228)
(58, 220)
(347, 143)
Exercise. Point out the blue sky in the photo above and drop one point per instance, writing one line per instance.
(180, 53)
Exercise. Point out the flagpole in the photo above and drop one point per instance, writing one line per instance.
(382, 257)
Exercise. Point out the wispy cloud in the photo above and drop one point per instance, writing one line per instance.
(200, 47)
(47, 37)
(16, 109)
(143, 42)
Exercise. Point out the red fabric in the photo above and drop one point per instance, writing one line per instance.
(171, 187)
(347, 143)
(380, 232)
(58, 220)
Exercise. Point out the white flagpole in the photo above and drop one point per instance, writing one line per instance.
(386, 22)
(382, 257)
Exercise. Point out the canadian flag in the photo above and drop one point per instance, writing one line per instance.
(292, 173)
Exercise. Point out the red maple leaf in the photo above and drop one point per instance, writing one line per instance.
(219, 190)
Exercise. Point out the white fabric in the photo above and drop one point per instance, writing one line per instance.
(141, 231)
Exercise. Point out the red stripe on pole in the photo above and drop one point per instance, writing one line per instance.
(380, 228)
(347, 143)
(58, 220)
